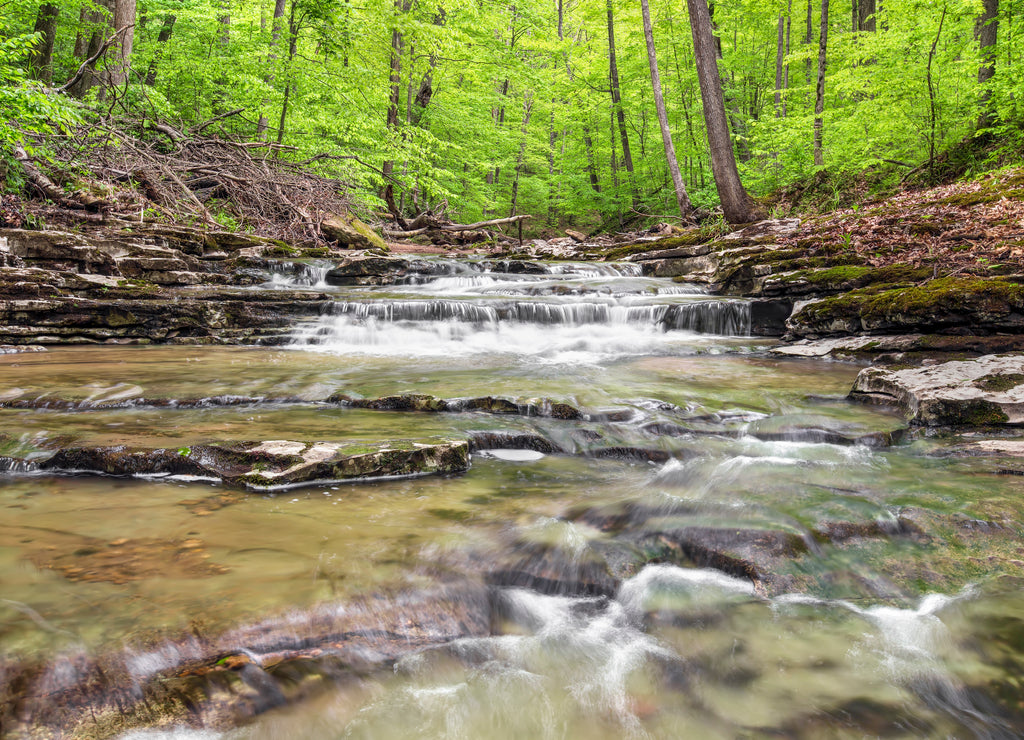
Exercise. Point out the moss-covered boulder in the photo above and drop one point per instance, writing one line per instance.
(349, 232)
(985, 391)
(944, 305)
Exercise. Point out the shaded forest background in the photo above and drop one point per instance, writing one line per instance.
(488, 109)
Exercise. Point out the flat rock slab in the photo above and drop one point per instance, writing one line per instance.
(983, 391)
(270, 465)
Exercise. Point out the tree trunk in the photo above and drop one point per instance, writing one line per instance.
(528, 110)
(613, 74)
(809, 39)
(293, 43)
(865, 15)
(41, 58)
(276, 26)
(588, 144)
(785, 72)
(124, 26)
(737, 205)
(819, 95)
(682, 199)
(780, 53)
(394, 99)
(166, 30)
(987, 31)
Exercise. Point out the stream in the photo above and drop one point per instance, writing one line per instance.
(719, 546)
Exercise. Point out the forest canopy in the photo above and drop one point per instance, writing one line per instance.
(501, 108)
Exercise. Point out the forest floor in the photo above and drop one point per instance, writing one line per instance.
(974, 227)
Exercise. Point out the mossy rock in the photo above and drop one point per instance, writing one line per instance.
(980, 304)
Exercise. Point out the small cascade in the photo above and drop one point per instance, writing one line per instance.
(300, 275)
(727, 318)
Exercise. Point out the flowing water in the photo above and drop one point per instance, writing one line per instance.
(770, 565)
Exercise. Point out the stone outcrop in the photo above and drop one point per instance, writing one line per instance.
(984, 391)
(947, 305)
(266, 466)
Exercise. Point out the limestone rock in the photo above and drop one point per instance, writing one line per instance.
(987, 390)
(352, 233)
(772, 227)
(271, 465)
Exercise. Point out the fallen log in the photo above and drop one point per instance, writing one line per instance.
(485, 224)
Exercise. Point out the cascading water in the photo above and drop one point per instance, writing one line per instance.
(561, 311)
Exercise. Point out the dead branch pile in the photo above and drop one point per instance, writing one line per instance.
(126, 169)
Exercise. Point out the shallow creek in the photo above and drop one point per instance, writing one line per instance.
(773, 561)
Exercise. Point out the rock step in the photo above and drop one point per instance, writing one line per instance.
(985, 391)
(263, 466)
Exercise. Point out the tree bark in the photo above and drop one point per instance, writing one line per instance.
(613, 74)
(682, 199)
(819, 95)
(785, 72)
(394, 100)
(780, 54)
(124, 26)
(41, 58)
(737, 205)
(809, 39)
(865, 15)
(528, 111)
(276, 26)
(987, 31)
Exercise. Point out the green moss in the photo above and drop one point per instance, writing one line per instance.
(999, 383)
(986, 195)
(282, 250)
(922, 301)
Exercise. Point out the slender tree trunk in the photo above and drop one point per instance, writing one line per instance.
(931, 88)
(41, 58)
(527, 112)
(293, 43)
(809, 39)
(780, 52)
(124, 24)
(682, 199)
(394, 100)
(166, 30)
(737, 205)
(588, 145)
(987, 32)
(819, 95)
(785, 72)
(613, 75)
(276, 26)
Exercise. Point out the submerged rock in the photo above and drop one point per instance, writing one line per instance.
(271, 465)
(218, 682)
(545, 407)
(984, 391)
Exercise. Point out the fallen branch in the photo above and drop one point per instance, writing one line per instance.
(405, 234)
(484, 224)
(202, 126)
(91, 61)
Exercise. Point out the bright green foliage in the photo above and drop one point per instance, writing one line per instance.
(25, 107)
(495, 98)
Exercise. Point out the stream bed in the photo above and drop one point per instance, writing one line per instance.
(718, 545)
